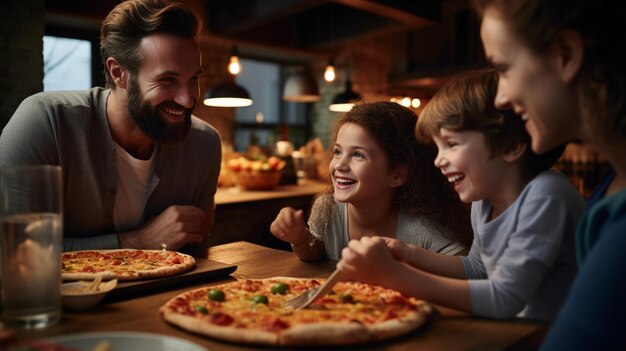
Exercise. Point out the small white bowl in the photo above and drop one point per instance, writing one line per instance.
(77, 297)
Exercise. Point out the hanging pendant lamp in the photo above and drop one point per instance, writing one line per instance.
(228, 94)
(343, 102)
(301, 87)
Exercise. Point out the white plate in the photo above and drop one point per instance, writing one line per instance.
(125, 341)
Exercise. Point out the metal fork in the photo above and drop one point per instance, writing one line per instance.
(305, 299)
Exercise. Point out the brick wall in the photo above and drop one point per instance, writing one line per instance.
(215, 56)
(368, 64)
(21, 53)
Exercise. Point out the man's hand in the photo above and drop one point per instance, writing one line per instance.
(174, 227)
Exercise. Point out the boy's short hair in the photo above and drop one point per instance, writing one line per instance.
(466, 103)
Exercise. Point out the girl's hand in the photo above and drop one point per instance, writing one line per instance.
(368, 260)
(289, 226)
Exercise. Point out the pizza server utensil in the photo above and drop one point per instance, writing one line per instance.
(305, 299)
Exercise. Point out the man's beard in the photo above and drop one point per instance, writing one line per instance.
(149, 121)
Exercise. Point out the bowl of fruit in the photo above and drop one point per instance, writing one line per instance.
(260, 174)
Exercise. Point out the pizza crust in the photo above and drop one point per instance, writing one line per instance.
(321, 334)
(395, 327)
(354, 333)
(219, 332)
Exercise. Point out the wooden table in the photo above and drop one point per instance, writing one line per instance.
(447, 330)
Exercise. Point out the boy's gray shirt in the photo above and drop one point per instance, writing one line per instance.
(523, 261)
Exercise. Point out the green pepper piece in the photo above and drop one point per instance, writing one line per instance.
(257, 299)
(280, 288)
(202, 309)
(216, 295)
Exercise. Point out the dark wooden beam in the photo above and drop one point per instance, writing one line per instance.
(231, 17)
(408, 19)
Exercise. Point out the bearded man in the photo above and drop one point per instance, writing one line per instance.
(139, 171)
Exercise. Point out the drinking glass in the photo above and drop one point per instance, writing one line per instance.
(31, 239)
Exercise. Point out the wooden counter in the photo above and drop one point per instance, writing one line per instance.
(233, 195)
(247, 215)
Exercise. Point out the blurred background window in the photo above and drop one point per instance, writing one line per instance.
(269, 119)
(67, 64)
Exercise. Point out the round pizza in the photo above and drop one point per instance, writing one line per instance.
(251, 311)
(124, 264)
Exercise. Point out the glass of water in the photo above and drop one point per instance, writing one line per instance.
(31, 240)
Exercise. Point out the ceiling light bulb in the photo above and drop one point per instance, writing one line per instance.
(406, 102)
(329, 74)
(415, 103)
(234, 67)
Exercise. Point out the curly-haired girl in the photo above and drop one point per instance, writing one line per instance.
(384, 183)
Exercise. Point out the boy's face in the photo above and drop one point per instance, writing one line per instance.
(468, 163)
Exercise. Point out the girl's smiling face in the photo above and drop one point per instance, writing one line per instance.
(359, 168)
(466, 160)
